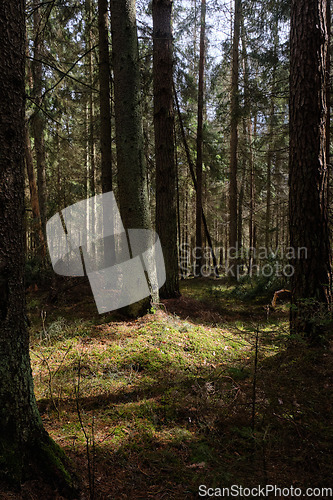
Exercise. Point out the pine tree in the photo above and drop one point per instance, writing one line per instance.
(166, 202)
(234, 112)
(198, 212)
(131, 164)
(25, 447)
(104, 84)
(308, 164)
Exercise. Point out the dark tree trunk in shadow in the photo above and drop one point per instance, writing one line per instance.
(166, 175)
(308, 165)
(104, 99)
(38, 118)
(26, 450)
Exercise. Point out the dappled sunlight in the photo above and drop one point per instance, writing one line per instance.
(173, 399)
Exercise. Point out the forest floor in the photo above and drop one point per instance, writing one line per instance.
(157, 406)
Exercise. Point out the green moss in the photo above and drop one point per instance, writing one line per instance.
(55, 459)
(55, 466)
(42, 460)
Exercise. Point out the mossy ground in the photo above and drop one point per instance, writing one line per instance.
(166, 400)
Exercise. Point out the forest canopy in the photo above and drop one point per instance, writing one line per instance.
(165, 247)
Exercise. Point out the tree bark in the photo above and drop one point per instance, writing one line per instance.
(91, 104)
(234, 111)
(104, 96)
(38, 234)
(37, 225)
(269, 178)
(131, 166)
(191, 167)
(198, 225)
(271, 142)
(38, 119)
(25, 448)
(166, 174)
(240, 207)
(133, 197)
(248, 139)
(308, 164)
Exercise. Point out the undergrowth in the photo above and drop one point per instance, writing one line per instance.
(168, 401)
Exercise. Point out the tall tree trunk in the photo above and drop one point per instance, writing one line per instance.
(269, 178)
(179, 227)
(234, 111)
(240, 207)
(166, 174)
(191, 167)
(38, 119)
(37, 225)
(198, 226)
(271, 143)
(249, 139)
(25, 447)
(308, 164)
(131, 166)
(91, 148)
(252, 134)
(133, 197)
(38, 233)
(278, 202)
(104, 96)
(328, 101)
(91, 104)
(105, 115)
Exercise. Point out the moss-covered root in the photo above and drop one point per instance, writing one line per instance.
(43, 461)
(56, 468)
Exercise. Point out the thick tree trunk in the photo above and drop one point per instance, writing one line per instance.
(328, 98)
(25, 448)
(131, 166)
(308, 164)
(234, 112)
(104, 99)
(133, 197)
(198, 225)
(166, 174)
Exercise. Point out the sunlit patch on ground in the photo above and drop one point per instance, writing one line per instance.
(167, 402)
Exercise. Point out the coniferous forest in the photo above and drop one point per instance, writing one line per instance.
(166, 286)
